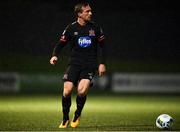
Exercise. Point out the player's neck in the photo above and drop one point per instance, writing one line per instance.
(81, 22)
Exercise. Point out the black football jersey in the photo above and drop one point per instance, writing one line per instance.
(84, 41)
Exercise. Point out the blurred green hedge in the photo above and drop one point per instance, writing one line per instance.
(29, 64)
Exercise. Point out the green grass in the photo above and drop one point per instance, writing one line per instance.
(101, 112)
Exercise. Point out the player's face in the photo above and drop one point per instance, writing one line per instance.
(86, 13)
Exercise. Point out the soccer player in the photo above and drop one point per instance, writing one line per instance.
(87, 56)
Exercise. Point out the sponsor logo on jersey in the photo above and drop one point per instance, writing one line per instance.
(84, 41)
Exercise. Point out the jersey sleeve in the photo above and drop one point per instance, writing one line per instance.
(64, 38)
(100, 36)
(66, 35)
(102, 46)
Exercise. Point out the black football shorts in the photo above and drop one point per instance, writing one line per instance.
(74, 73)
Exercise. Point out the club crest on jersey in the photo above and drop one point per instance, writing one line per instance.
(84, 41)
(91, 32)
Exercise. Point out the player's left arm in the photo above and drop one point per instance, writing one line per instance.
(103, 53)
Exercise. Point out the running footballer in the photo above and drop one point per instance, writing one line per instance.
(86, 39)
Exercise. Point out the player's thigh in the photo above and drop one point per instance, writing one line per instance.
(86, 76)
(83, 86)
(68, 85)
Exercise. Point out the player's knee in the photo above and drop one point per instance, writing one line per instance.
(82, 92)
(67, 92)
(68, 87)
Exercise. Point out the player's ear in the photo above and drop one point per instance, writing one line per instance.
(79, 14)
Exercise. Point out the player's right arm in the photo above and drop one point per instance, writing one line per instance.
(65, 37)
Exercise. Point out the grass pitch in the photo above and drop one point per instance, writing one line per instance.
(101, 112)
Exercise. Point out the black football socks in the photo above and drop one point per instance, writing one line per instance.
(80, 101)
(66, 104)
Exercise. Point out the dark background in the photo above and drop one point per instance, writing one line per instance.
(136, 31)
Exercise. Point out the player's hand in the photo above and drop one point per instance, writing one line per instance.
(101, 69)
(53, 60)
